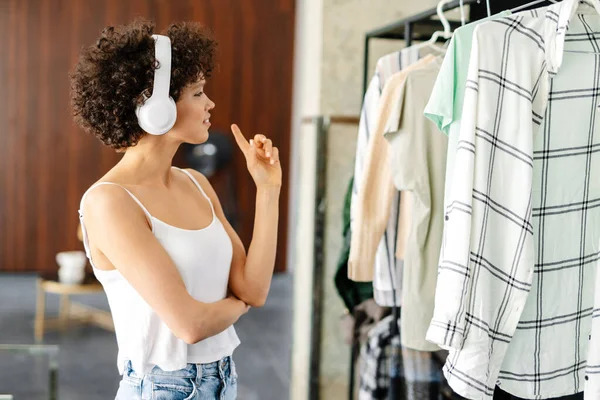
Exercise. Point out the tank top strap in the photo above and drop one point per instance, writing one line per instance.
(83, 230)
(199, 187)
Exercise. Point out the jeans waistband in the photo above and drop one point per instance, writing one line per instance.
(221, 367)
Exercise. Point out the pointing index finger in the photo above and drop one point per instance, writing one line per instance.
(239, 137)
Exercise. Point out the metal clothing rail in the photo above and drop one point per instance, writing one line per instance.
(420, 27)
(416, 27)
(333, 119)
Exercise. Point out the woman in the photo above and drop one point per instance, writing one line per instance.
(176, 274)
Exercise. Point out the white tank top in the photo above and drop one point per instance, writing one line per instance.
(203, 258)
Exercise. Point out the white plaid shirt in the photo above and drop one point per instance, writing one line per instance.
(385, 258)
(517, 278)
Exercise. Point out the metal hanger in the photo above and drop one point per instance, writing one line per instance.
(462, 13)
(445, 34)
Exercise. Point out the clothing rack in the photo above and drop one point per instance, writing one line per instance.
(420, 27)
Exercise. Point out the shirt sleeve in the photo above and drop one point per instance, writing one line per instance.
(366, 127)
(374, 199)
(440, 108)
(453, 284)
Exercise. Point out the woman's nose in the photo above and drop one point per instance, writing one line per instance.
(211, 104)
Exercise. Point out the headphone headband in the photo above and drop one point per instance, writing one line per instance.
(162, 75)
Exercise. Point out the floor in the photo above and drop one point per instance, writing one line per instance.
(87, 357)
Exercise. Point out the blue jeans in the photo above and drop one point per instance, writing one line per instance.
(214, 381)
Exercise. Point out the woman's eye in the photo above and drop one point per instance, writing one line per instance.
(199, 94)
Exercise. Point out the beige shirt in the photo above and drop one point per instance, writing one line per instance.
(373, 204)
(418, 166)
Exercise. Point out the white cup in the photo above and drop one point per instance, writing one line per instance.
(72, 267)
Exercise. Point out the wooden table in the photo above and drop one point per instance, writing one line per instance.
(70, 312)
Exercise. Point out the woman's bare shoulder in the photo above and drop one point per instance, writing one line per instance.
(110, 192)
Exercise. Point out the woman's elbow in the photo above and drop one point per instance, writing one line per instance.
(255, 300)
(190, 330)
(192, 335)
(254, 297)
(256, 303)
(188, 338)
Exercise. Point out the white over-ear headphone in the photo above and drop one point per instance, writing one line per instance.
(158, 113)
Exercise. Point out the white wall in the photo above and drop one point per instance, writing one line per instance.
(306, 102)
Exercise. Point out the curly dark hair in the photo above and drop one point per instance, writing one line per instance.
(112, 76)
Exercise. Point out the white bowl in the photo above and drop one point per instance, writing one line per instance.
(72, 267)
(71, 259)
(71, 277)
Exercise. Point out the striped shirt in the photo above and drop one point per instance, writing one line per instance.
(378, 270)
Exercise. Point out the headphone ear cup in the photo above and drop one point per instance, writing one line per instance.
(157, 115)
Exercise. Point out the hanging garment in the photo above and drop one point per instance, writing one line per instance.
(418, 166)
(420, 374)
(378, 270)
(352, 293)
(515, 295)
(366, 317)
(374, 200)
(446, 102)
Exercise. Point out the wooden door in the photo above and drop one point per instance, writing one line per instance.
(46, 162)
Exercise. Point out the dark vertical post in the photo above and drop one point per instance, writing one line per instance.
(319, 255)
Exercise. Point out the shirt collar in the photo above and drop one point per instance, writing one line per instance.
(557, 30)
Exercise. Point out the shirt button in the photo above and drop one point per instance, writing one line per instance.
(446, 217)
(587, 378)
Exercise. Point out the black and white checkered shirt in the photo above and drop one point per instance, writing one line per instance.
(515, 298)
(420, 373)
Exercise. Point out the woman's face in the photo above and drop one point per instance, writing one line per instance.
(193, 114)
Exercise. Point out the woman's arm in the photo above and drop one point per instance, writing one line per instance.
(120, 231)
(250, 276)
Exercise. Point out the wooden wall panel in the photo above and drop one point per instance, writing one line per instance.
(46, 162)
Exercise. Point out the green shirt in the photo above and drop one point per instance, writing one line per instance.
(446, 101)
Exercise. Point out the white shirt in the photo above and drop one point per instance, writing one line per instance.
(515, 296)
(385, 260)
